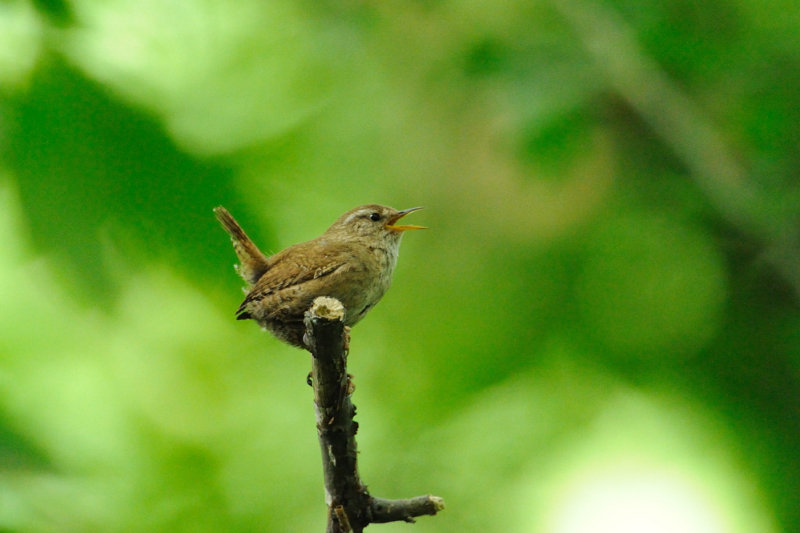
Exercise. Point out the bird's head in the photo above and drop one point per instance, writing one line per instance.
(372, 221)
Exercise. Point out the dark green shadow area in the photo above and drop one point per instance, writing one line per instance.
(17, 451)
(93, 172)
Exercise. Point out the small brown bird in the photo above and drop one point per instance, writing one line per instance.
(352, 261)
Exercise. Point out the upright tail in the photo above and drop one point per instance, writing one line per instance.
(253, 262)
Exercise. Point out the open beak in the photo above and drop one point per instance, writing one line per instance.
(390, 224)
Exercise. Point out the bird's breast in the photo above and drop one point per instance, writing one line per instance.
(374, 280)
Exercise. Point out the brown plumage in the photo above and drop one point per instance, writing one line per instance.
(352, 261)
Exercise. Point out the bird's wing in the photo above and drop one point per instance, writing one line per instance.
(294, 275)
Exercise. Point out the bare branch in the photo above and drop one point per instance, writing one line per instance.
(350, 506)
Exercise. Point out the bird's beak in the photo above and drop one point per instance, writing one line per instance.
(390, 224)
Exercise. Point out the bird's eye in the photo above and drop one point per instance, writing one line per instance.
(375, 217)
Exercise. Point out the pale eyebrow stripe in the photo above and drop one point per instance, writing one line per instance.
(353, 215)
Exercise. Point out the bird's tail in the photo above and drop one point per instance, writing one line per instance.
(253, 262)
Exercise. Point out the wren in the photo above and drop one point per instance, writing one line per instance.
(352, 261)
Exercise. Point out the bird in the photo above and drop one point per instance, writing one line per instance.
(352, 261)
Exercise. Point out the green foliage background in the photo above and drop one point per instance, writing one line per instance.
(604, 309)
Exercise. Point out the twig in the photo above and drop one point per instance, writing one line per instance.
(350, 506)
(394, 510)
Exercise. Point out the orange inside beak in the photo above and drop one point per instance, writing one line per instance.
(391, 223)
